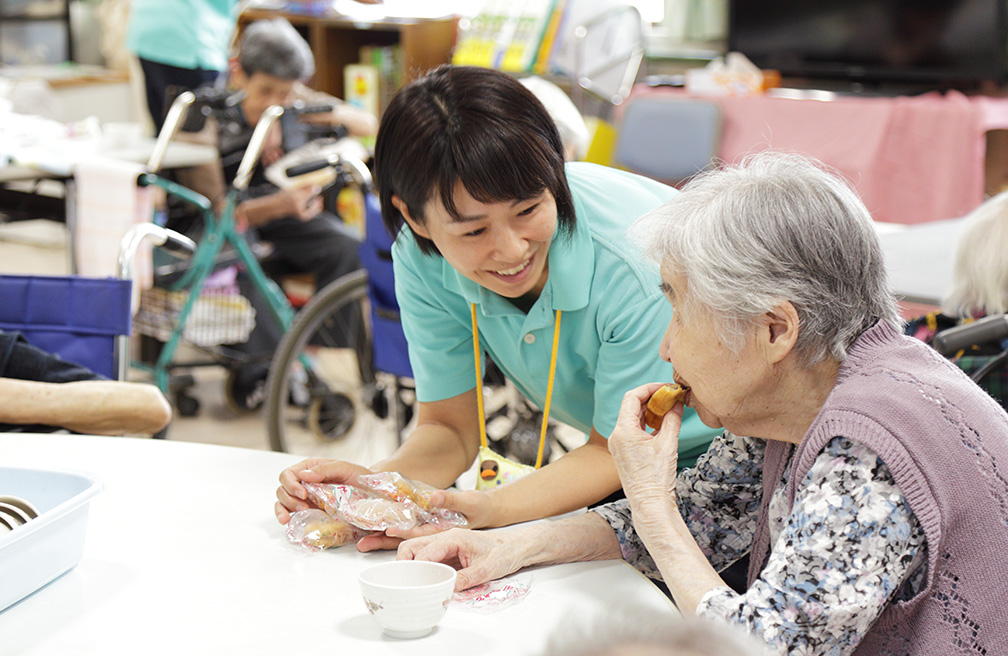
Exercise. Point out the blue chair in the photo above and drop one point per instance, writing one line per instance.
(74, 317)
(668, 139)
(390, 352)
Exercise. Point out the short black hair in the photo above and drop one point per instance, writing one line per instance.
(472, 125)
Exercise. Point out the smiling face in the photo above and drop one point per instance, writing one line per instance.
(502, 246)
(726, 387)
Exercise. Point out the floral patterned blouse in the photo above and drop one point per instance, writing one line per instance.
(849, 546)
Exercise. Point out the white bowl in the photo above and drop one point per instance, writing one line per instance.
(407, 597)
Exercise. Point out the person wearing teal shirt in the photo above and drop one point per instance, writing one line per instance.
(471, 176)
(611, 317)
(180, 43)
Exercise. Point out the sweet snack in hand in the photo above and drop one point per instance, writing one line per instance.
(663, 400)
(382, 501)
(396, 487)
(316, 530)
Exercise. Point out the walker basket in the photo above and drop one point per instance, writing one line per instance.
(219, 315)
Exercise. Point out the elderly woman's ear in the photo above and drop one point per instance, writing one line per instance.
(778, 331)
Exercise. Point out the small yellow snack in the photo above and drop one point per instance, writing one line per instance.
(316, 530)
(406, 489)
(328, 533)
(663, 400)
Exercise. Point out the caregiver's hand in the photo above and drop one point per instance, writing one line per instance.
(479, 556)
(646, 462)
(292, 496)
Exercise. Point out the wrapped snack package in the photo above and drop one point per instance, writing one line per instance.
(361, 508)
(396, 487)
(382, 501)
(314, 529)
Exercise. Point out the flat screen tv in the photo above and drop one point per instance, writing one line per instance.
(927, 43)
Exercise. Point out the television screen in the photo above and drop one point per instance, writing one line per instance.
(940, 43)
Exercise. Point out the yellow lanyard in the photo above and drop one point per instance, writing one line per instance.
(549, 385)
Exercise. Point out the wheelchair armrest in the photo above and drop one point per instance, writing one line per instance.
(982, 331)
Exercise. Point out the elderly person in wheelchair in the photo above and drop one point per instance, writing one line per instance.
(303, 236)
(862, 472)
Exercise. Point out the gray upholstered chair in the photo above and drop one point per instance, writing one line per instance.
(668, 139)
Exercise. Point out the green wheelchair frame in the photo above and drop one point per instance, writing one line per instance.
(220, 231)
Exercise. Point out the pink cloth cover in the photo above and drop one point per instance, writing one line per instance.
(912, 159)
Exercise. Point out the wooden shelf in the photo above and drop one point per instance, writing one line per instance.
(336, 40)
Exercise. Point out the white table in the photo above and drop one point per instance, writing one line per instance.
(179, 154)
(184, 556)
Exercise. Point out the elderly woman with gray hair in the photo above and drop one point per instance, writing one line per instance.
(865, 475)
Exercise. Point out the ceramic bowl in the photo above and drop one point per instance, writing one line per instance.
(407, 598)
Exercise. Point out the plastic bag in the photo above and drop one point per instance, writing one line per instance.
(315, 529)
(382, 501)
(493, 595)
(733, 75)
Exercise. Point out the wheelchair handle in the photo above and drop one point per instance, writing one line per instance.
(989, 329)
(255, 146)
(356, 168)
(176, 115)
(176, 243)
(307, 167)
(301, 108)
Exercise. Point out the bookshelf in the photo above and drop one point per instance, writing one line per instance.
(336, 41)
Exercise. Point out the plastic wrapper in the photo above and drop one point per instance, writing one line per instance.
(315, 529)
(396, 487)
(493, 595)
(382, 501)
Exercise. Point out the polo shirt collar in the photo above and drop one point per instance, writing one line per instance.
(571, 259)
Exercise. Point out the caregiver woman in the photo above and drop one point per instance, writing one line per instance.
(471, 176)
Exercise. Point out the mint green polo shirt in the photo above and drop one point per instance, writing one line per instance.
(613, 314)
(184, 33)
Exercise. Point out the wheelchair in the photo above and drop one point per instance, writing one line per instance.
(342, 366)
(979, 348)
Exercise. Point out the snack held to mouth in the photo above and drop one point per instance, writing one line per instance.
(661, 402)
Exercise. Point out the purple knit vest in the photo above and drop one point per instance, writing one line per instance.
(946, 443)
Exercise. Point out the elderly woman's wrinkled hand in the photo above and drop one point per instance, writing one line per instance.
(479, 556)
(646, 462)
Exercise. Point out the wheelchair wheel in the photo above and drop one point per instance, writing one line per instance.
(323, 395)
